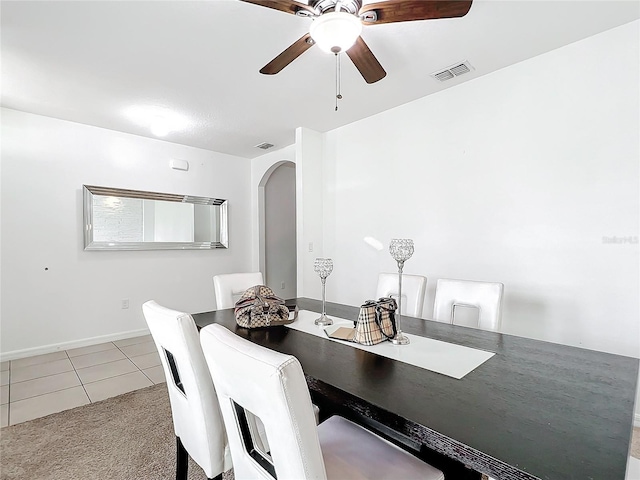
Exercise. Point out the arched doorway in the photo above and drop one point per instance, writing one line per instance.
(277, 207)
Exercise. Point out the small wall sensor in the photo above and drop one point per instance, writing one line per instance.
(180, 165)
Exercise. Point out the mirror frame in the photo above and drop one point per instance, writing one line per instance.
(89, 244)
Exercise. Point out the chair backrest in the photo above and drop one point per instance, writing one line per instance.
(633, 468)
(485, 296)
(230, 287)
(271, 386)
(413, 288)
(197, 419)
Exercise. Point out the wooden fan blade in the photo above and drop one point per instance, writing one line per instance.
(287, 6)
(366, 62)
(409, 10)
(289, 55)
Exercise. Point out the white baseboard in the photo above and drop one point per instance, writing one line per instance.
(29, 352)
(636, 420)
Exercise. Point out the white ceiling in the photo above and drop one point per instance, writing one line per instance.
(89, 61)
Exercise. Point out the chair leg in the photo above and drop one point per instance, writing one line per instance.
(182, 461)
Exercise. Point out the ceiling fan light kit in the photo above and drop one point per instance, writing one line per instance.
(335, 32)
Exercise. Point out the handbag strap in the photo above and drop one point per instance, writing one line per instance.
(388, 303)
(263, 301)
(392, 319)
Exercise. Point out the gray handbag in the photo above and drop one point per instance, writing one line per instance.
(260, 307)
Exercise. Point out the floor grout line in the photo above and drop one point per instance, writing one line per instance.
(105, 363)
(44, 376)
(128, 358)
(114, 376)
(75, 371)
(121, 350)
(91, 353)
(43, 394)
(148, 377)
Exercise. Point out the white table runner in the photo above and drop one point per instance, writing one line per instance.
(446, 358)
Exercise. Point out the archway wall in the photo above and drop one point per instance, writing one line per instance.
(311, 202)
(262, 169)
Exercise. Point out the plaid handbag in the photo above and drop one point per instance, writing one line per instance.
(376, 321)
(260, 307)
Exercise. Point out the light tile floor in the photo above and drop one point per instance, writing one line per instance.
(37, 386)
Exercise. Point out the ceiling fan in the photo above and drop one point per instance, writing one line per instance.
(337, 25)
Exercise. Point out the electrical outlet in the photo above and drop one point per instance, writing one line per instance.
(125, 303)
(282, 285)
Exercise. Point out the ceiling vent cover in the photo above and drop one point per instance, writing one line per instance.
(454, 70)
(264, 146)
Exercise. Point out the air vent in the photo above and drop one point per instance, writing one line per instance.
(453, 71)
(264, 146)
(442, 76)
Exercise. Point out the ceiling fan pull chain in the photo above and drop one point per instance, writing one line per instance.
(338, 94)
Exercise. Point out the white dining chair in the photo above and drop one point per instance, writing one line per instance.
(197, 420)
(413, 289)
(271, 385)
(230, 287)
(633, 469)
(486, 297)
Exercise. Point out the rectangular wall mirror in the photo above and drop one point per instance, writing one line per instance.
(118, 219)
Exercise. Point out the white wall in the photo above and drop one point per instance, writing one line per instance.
(314, 191)
(45, 162)
(518, 177)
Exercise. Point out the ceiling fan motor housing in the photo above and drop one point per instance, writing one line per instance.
(349, 6)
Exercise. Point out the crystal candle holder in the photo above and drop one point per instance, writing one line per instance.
(323, 267)
(401, 249)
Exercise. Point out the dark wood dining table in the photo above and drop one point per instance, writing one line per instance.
(535, 410)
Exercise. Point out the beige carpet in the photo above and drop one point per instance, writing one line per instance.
(129, 437)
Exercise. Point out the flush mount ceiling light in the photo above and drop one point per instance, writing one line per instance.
(159, 120)
(160, 126)
(335, 32)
